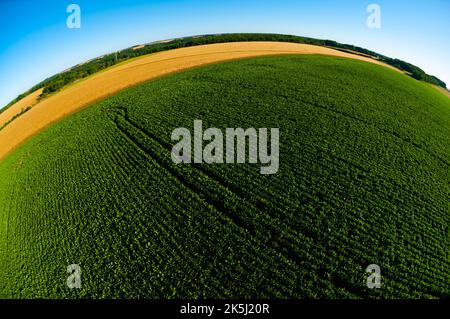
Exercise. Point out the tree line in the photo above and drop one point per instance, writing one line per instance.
(57, 81)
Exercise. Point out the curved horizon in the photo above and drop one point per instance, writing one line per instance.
(37, 44)
(100, 85)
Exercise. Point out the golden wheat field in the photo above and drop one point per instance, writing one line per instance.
(29, 100)
(108, 82)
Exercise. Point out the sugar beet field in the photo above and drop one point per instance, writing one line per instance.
(363, 179)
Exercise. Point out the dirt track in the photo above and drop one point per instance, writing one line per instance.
(112, 80)
(442, 90)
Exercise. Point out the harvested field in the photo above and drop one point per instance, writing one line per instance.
(16, 108)
(110, 81)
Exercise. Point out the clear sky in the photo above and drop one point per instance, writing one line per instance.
(35, 42)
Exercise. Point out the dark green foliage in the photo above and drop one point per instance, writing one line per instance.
(24, 110)
(80, 71)
(363, 179)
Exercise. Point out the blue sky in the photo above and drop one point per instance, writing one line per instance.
(35, 42)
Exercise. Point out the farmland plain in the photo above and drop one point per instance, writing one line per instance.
(110, 81)
(18, 107)
(363, 179)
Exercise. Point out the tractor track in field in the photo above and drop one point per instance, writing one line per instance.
(287, 248)
(103, 84)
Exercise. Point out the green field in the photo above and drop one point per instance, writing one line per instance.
(363, 179)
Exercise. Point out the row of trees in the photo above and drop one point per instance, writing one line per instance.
(56, 82)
